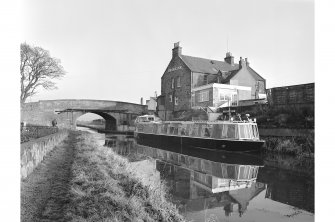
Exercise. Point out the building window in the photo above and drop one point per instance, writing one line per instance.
(178, 81)
(234, 100)
(225, 97)
(176, 100)
(193, 99)
(204, 96)
(170, 98)
(205, 80)
(172, 83)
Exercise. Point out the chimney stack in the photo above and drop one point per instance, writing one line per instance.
(229, 58)
(176, 51)
(242, 63)
(141, 100)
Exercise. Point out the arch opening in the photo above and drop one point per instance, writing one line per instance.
(97, 120)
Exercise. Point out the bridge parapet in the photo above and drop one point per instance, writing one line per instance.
(44, 111)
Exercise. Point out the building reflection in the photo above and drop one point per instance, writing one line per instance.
(203, 179)
(202, 184)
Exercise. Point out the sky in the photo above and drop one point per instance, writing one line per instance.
(118, 50)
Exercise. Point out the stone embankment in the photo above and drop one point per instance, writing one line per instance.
(80, 180)
(33, 152)
(44, 193)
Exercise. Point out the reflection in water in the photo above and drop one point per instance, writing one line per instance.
(216, 184)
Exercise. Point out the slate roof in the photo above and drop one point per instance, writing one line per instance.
(255, 74)
(207, 65)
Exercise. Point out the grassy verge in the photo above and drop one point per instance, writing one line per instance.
(105, 188)
(297, 146)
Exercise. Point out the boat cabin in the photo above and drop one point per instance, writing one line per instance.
(147, 118)
(216, 130)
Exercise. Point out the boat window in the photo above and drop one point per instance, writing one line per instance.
(253, 133)
(155, 128)
(175, 131)
(206, 130)
(243, 172)
(231, 131)
(164, 128)
(256, 131)
(188, 127)
(150, 118)
(159, 128)
(195, 130)
(171, 129)
(244, 131)
(231, 171)
(216, 131)
(254, 172)
(182, 130)
(242, 134)
(224, 130)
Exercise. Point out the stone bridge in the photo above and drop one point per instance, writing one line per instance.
(66, 112)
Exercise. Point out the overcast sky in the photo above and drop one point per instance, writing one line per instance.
(118, 50)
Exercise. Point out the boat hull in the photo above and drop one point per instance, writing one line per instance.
(180, 142)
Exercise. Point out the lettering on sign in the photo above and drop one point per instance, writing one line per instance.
(174, 69)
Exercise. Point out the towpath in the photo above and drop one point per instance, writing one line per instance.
(44, 193)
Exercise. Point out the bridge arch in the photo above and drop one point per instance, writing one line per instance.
(118, 115)
(110, 120)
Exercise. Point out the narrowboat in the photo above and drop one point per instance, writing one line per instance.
(219, 135)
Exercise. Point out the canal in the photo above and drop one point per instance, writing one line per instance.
(222, 186)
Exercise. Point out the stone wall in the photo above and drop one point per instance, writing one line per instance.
(291, 95)
(44, 111)
(33, 152)
(175, 69)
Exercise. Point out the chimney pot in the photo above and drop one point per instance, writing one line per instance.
(229, 58)
(176, 51)
(246, 61)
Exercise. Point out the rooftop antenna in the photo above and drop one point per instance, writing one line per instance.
(227, 42)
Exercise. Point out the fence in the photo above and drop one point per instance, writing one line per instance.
(33, 132)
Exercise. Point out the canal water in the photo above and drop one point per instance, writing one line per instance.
(222, 186)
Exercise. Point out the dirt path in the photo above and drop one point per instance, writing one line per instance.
(44, 193)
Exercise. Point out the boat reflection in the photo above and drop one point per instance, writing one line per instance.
(222, 180)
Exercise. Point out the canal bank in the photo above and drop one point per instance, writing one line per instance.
(295, 142)
(83, 181)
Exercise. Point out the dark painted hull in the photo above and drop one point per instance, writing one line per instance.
(179, 143)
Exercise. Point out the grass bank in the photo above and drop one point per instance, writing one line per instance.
(297, 146)
(105, 188)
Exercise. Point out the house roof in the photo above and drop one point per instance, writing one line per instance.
(255, 74)
(232, 73)
(209, 66)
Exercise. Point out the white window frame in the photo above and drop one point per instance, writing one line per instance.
(172, 83)
(203, 96)
(176, 100)
(170, 98)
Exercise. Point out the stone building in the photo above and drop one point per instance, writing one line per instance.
(185, 73)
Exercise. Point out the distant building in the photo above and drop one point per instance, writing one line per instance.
(185, 73)
(152, 104)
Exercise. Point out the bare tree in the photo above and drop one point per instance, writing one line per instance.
(38, 69)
